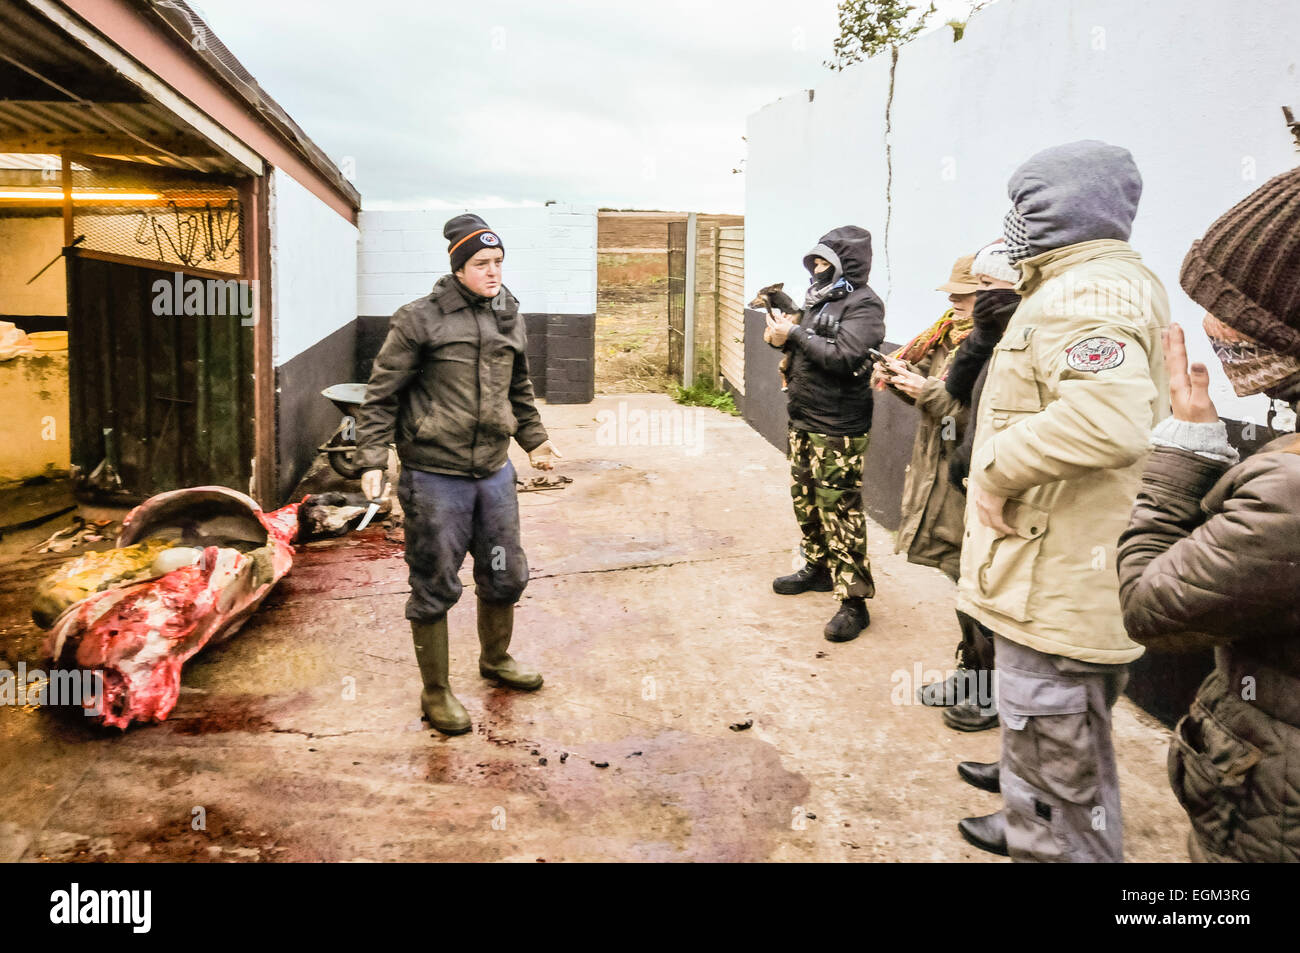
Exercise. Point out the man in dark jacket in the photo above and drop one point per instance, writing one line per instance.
(829, 405)
(451, 387)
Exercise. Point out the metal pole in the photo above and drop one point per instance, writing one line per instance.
(688, 359)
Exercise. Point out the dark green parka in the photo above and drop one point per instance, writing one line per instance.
(450, 385)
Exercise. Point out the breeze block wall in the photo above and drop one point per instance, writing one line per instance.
(550, 266)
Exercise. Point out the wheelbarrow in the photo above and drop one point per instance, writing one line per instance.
(341, 447)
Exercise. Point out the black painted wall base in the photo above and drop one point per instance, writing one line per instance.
(570, 345)
(31, 323)
(561, 354)
(305, 419)
(893, 424)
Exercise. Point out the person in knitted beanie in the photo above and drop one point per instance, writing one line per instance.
(1211, 556)
(476, 253)
(1245, 272)
(450, 388)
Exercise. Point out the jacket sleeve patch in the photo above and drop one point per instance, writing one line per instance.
(1095, 354)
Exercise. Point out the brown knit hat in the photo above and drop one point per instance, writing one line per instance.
(1246, 270)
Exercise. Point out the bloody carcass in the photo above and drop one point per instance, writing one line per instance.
(190, 567)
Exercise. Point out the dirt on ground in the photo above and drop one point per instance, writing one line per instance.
(689, 713)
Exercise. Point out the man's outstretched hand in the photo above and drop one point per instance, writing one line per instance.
(544, 457)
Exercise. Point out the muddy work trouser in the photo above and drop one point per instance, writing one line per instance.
(448, 516)
(826, 485)
(1059, 783)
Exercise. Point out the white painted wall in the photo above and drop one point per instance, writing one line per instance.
(313, 268)
(1193, 89)
(550, 263)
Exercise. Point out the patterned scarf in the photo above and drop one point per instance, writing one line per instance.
(955, 330)
(1252, 367)
(1015, 235)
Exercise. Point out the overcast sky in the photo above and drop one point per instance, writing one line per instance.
(618, 103)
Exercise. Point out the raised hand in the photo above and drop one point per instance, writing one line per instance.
(1189, 388)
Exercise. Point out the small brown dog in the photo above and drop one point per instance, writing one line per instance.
(772, 299)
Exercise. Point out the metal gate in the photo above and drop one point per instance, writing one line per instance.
(676, 299)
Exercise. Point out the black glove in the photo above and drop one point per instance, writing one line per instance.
(993, 309)
(959, 464)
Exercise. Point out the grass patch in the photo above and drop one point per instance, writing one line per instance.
(702, 394)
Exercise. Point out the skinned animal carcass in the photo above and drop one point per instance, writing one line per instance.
(199, 561)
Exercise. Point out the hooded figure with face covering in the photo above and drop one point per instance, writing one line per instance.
(1212, 553)
(829, 405)
(1075, 385)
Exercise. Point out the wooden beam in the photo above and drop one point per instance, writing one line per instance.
(189, 147)
(257, 248)
(152, 263)
(66, 181)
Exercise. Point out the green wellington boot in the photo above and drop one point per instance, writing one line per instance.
(440, 706)
(495, 625)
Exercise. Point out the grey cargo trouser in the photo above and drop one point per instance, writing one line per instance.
(1060, 786)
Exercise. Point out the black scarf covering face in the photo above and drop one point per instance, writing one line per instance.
(819, 287)
(993, 309)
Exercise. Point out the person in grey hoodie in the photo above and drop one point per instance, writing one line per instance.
(1074, 387)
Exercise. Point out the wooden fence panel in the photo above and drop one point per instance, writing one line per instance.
(731, 304)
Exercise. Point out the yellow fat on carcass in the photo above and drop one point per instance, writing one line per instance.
(93, 572)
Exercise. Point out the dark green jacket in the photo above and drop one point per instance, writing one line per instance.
(450, 386)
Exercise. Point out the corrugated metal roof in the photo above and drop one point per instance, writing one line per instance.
(60, 96)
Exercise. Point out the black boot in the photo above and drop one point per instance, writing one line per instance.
(985, 776)
(987, 833)
(970, 717)
(808, 579)
(849, 622)
(941, 694)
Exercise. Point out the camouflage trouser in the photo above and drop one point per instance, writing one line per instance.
(826, 484)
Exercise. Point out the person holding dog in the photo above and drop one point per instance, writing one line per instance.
(451, 386)
(829, 403)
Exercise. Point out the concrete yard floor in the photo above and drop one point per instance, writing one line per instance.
(651, 614)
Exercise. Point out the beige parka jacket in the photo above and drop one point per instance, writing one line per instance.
(1074, 388)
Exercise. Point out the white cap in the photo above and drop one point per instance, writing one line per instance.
(992, 260)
